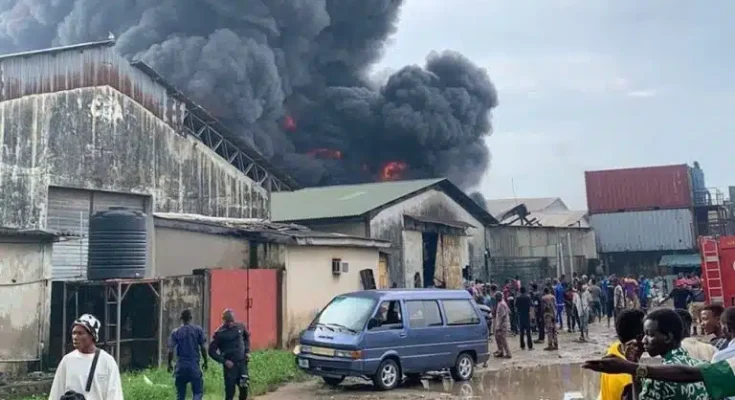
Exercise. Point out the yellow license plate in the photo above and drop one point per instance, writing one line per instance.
(321, 351)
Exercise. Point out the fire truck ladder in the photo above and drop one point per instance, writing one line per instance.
(712, 270)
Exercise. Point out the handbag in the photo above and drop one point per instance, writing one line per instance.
(72, 395)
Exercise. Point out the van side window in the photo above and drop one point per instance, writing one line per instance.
(423, 313)
(460, 312)
(389, 315)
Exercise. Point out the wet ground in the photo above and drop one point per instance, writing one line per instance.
(529, 375)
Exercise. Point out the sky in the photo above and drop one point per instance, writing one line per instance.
(588, 84)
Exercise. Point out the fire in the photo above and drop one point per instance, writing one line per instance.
(289, 124)
(392, 170)
(325, 153)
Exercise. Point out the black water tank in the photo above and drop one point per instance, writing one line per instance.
(118, 240)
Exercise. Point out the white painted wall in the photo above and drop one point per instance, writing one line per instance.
(310, 284)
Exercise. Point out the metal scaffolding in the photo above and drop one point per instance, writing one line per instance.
(115, 292)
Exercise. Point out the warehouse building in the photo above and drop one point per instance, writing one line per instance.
(437, 233)
(83, 130)
(538, 238)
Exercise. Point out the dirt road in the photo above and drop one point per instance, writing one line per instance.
(535, 374)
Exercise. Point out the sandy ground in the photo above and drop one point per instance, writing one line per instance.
(528, 373)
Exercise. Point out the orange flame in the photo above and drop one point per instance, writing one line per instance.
(289, 124)
(392, 170)
(325, 153)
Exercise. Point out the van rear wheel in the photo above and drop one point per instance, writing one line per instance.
(463, 368)
(333, 380)
(388, 375)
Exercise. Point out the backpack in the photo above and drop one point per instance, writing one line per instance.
(72, 395)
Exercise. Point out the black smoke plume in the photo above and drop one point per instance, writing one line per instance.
(292, 77)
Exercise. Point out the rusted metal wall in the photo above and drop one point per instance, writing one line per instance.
(25, 303)
(388, 225)
(178, 294)
(448, 261)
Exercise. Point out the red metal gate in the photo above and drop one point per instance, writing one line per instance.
(253, 295)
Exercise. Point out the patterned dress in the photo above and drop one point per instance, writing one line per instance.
(660, 390)
(549, 307)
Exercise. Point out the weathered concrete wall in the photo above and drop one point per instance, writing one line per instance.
(179, 252)
(310, 285)
(25, 303)
(388, 225)
(413, 261)
(179, 293)
(98, 138)
(270, 255)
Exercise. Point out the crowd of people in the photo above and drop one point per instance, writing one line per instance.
(692, 368)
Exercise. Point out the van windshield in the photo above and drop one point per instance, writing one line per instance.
(346, 313)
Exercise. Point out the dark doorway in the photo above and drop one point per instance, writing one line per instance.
(430, 241)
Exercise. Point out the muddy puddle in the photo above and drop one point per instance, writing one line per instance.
(552, 382)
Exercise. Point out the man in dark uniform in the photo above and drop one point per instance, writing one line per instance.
(188, 342)
(231, 348)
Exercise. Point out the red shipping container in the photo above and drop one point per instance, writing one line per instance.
(718, 269)
(638, 189)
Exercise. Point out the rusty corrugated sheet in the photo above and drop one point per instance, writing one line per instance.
(80, 67)
(638, 189)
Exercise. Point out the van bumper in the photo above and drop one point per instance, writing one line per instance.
(329, 366)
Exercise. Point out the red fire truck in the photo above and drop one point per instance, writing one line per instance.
(718, 269)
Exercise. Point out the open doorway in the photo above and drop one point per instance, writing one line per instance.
(430, 241)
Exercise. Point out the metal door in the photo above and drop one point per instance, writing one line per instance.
(68, 213)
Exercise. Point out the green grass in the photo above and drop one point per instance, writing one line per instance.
(268, 369)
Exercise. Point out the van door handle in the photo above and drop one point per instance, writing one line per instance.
(403, 335)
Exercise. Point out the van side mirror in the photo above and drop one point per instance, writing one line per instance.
(373, 323)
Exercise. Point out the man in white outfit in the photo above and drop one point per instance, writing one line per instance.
(87, 372)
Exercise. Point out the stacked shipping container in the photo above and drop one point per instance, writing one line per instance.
(641, 210)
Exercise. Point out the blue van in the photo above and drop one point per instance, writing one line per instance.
(383, 335)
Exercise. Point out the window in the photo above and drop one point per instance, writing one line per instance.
(423, 313)
(460, 312)
(336, 266)
(389, 315)
(347, 311)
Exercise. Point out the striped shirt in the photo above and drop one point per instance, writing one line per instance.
(720, 343)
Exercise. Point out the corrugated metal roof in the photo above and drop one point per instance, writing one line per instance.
(341, 201)
(681, 260)
(300, 234)
(499, 207)
(562, 219)
(658, 230)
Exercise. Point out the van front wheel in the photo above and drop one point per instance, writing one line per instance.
(463, 368)
(388, 375)
(333, 381)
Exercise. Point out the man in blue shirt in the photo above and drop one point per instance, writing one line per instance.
(559, 291)
(188, 341)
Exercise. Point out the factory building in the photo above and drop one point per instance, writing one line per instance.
(83, 130)
(437, 233)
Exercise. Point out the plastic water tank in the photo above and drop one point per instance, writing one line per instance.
(118, 243)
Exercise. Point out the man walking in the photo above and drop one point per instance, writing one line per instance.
(188, 343)
(523, 309)
(502, 326)
(538, 306)
(231, 348)
(559, 295)
(596, 303)
(87, 372)
(549, 307)
(582, 307)
(618, 298)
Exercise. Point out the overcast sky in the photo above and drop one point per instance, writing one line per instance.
(589, 84)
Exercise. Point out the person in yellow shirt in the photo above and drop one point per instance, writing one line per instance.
(628, 327)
